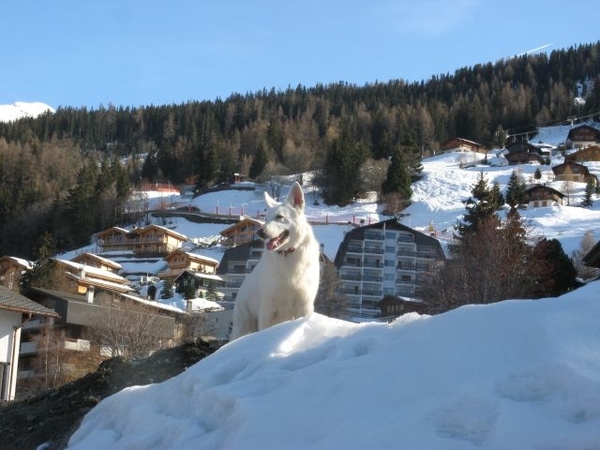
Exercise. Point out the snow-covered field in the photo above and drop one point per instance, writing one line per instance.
(517, 374)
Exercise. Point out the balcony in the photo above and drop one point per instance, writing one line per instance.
(373, 236)
(373, 250)
(354, 248)
(351, 275)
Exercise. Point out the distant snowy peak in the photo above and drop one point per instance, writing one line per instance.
(18, 110)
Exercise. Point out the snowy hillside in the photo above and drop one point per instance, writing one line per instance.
(515, 374)
(18, 110)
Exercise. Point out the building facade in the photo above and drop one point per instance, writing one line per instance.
(384, 259)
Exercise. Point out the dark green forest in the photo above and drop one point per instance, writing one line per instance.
(67, 174)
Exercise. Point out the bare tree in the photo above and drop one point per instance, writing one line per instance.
(587, 242)
(373, 173)
(487, 266)
(329, 301)
(128, 329)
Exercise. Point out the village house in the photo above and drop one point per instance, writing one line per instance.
(392, 306)
(241, 232)
(522, 152)
(149, 240)
(201, 285)
(458, 144)
(590, 153)
(583, 136)
(384, 259)
(16, 313)
(77, 278)
(571, 171)
(179, 261)
(80, 313)
(11, 271)
(541, 195)
(92, 260)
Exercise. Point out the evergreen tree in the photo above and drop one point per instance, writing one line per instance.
(514, 191)
(552, 271)
(398, 176)
(43, 273)
(589, 192)
(340, 178)
(261, 158)
(483, 203)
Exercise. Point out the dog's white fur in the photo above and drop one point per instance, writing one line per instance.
(284, 283)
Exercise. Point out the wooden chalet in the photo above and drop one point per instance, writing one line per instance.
(540, 195)
(392, 306)
(458, 144)
(205, 285)
(241, 232)
(590, 153)
(89, 259)
(179, 261)
(571, 171)
(592, 258)
(156, 240)
(113, 239)
(149, 240)
(583, 136)
(77, 278)
(522, 152)
(11, 271)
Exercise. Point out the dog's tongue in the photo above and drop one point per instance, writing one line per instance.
(272, 243)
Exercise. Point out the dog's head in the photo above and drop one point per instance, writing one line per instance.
(284, 222)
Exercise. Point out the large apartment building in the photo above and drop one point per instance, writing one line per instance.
(384, 259)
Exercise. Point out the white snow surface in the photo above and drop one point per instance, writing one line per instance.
(19, 110)
(518, 374)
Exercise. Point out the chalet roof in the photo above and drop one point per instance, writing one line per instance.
(192, 256)
(575, 167)
(390, 224)
(19, 261)
(153, 227)
(245, 220)
(112, 230)
(200, 275)
(105, 261)
(541, 187)
(468, 141)
(13, 301)
(520, 146)
(573, 131)
(94, 272)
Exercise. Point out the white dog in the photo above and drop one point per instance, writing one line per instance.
(284, 283)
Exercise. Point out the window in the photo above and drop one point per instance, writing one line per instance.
(3, 378)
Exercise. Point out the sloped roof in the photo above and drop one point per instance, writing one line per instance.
(192, 256)
(250, 220)
(13, 301)
(391, 224)
(105, 261)
(19, 261)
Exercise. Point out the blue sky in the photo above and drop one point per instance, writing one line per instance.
(133, 53)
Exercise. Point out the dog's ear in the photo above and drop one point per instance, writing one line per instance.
(271, 202)
(296, 196)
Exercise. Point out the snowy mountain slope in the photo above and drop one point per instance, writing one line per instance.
(18, 110)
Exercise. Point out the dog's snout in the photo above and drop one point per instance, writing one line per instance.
(261, 233)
